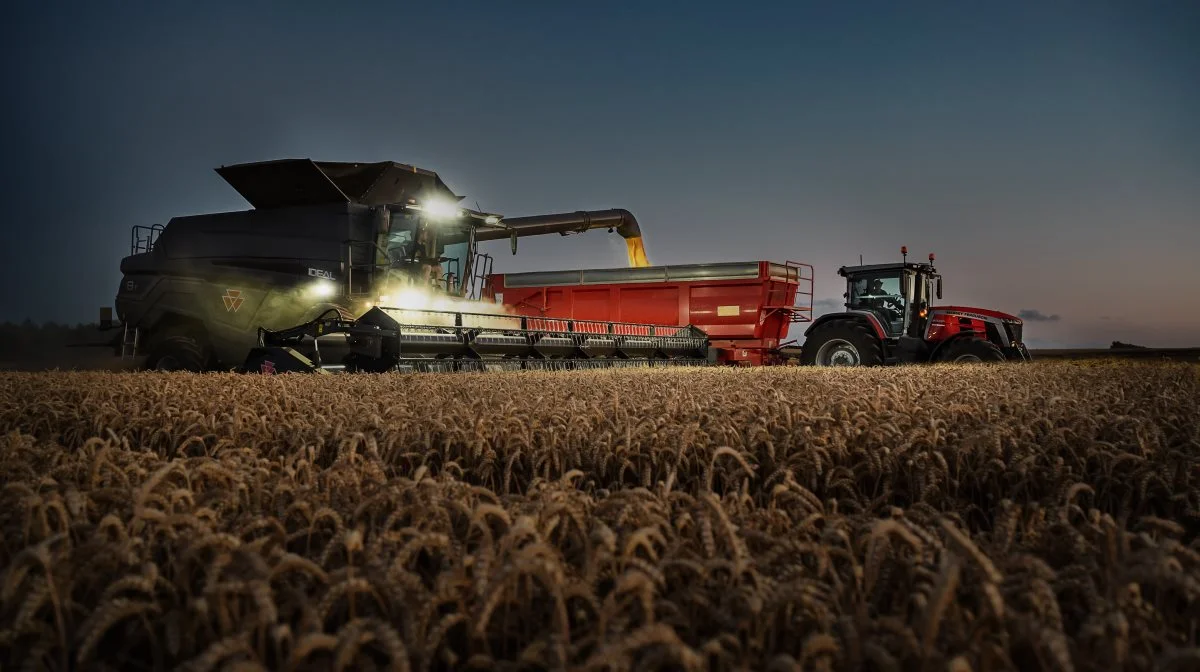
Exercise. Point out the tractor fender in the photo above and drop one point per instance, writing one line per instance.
(849, 315)
(940, 347)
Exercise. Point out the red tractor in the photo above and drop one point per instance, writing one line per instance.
(888, 320)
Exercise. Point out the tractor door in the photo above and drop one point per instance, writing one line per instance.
(881, 294)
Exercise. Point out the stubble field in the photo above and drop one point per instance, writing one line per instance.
(1040, 517)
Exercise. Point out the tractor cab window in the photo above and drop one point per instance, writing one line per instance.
(882, 295)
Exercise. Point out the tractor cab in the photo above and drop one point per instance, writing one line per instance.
(897, 294)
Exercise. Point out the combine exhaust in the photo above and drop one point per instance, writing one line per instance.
(393, 339)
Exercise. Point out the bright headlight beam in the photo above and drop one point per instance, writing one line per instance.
(323, 288)
(440, 209)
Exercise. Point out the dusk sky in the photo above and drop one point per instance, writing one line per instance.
(1048, 152)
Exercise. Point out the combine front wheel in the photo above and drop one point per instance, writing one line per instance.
(973, 351)
(179, 353)
(842, 343)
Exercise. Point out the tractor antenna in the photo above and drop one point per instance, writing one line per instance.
(860, 260)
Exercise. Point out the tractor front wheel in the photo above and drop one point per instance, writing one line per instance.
(842, 343)
(972, 351)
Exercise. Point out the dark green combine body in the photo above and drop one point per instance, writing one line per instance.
(324, 245)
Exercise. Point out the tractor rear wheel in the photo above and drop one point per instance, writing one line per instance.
(842, 343)
(972, 351)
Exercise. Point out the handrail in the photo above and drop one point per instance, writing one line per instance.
(796, 312)
(143, 244)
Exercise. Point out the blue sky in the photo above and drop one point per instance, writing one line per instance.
(1047, 152)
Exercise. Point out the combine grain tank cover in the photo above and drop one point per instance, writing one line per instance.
(599, 276)
(298, 182)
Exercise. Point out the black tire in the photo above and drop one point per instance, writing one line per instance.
(842, 343)
(179, 353)
(972, 351)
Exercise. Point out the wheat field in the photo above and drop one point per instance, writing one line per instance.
(1039, 517)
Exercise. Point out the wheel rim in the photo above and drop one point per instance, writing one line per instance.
(838, 352)
(968, 358)
(166, 363)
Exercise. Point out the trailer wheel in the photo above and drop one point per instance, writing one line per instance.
(973, 351)
(178, 353)
(842, 343)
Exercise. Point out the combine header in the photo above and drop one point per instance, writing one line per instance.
(378, 342)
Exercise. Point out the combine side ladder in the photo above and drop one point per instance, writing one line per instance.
(129, 342)
(478, 275)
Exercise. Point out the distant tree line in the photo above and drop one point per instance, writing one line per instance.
(29, 334)
(31, 346)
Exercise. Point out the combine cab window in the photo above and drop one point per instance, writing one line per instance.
(881, 295)
(401, 236)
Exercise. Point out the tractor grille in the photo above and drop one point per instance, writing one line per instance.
(1014, 332)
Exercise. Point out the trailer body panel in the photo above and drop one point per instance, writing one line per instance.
(745, 308)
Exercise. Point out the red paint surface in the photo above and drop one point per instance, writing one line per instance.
(758, 311)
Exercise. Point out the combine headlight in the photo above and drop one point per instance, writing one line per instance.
(323, 288)
(440, 209)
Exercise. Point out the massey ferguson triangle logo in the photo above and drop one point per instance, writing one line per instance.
(267, 367)
(233, 299)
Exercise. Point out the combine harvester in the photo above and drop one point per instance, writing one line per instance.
(377, 264)
(375, 267)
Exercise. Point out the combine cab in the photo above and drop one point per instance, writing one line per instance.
(889, 320)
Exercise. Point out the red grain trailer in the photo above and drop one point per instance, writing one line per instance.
(745, 308)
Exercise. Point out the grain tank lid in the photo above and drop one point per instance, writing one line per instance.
(728, 270)
(296, 182)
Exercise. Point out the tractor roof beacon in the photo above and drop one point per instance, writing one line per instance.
(890, 319)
